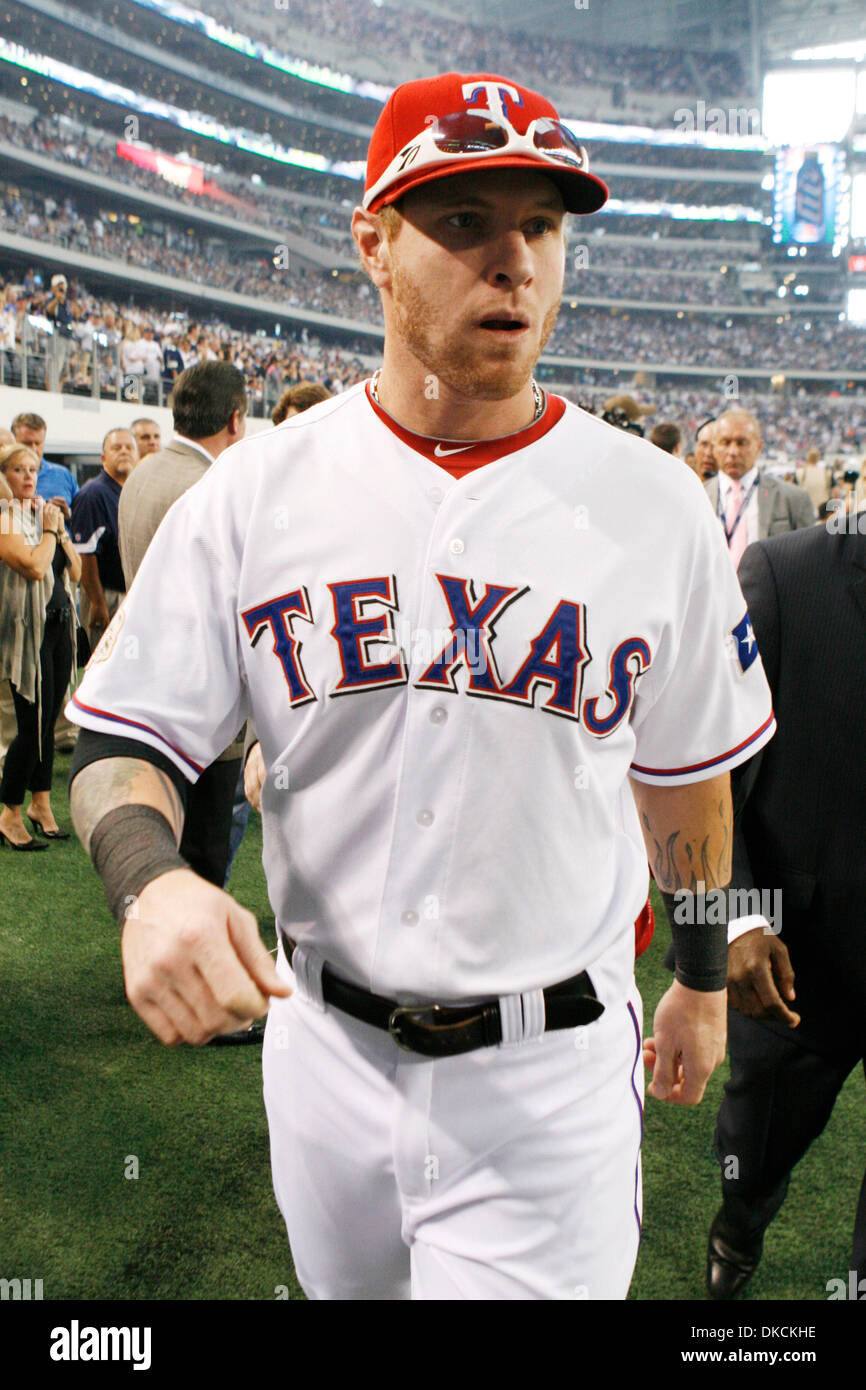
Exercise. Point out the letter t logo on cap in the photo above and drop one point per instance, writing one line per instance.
(497, 96)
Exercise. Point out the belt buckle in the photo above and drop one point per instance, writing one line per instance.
(423, 1014)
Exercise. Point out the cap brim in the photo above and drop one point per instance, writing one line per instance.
(581, 192)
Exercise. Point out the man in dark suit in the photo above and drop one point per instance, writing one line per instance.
(209, 405)
(751, 505)
(797, 988)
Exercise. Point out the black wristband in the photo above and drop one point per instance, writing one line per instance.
(131, 846)
(700, 940)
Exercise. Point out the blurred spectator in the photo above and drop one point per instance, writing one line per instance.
(617, 416)
(147, 436)
(668, 436)
(706, 466)
(816, 478)
(8, 725)
(58, 313)
(133, 353)
(629, 407)
(297, 398)
(750, 505)
(94, 531)
(153, 364)
(36, 643)
(8, 329)
(55, 483)
(172, 362)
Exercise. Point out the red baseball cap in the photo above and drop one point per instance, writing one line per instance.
(414, 106)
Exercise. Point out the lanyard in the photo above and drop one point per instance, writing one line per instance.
(743, 505)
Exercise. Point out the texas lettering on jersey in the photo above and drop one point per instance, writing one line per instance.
(370, 656)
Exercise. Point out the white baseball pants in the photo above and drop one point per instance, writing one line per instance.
(512, 1172)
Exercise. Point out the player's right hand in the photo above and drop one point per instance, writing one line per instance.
(688, 1043)
(254, 777)
(194, 964)
(761, 977)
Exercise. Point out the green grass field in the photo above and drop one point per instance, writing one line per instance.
(86, 1089)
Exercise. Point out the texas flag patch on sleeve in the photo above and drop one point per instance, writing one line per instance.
(747, 644)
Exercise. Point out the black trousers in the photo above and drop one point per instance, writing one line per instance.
(208, 823)
(778, 1100)
(28, 765)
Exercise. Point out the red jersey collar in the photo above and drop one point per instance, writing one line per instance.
(455, 455)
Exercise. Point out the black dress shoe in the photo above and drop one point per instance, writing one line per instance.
(49, 834)
(28, 844)
(731, 1260)
(243, 1037)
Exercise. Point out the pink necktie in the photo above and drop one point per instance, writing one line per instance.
(739, 540)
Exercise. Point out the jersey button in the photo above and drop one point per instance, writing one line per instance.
(457, 547)
(425, 818)
(435, 494)
(409, 918)
(438, 715)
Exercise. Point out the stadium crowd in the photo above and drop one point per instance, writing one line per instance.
(463, 46)
(140, 70)
(646, 337)
(57, 137)
(112, 339)
(154, 343)
(658, 253)
(789, 341)
(188, 254)
(241, 197)
(181, 253)
(791, 425)
(679, 156)
(618, 282)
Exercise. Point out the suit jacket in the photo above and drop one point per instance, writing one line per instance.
(157, 482)
(800, 804)
(153, 486)
(781, 506)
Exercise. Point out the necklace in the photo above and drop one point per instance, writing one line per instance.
(537, 395)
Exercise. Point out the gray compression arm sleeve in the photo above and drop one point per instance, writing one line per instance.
(131, 846)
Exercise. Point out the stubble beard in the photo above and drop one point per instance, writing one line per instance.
(457, 363)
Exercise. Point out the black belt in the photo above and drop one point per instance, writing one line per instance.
(446, 1030)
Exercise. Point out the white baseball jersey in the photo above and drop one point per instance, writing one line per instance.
(452, 680)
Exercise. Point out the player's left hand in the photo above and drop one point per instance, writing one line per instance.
(688, 1043)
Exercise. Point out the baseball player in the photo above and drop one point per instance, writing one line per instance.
(495, 651)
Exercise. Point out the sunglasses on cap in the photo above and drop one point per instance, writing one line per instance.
(471, 135)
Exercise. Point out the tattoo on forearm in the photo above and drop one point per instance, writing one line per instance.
(674, 864)
(665, 863)
(103, 786)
